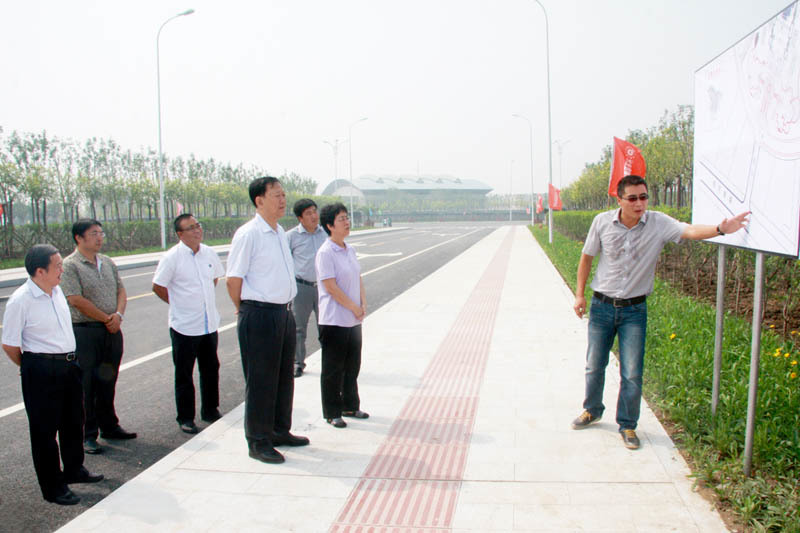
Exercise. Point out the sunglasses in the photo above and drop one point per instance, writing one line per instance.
(642, 197)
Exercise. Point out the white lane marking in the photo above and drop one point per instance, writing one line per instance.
(387, 254)
(18, 407)
(141, 296)
(137, 275)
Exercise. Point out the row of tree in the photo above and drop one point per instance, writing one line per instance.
(668, 152)
(99, 178)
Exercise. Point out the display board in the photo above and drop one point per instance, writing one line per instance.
(747, 137)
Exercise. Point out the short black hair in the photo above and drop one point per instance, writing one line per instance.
(301, 205)
(260, 185)
(80, 227)
(39, 257)
(328, 214)
(629, 181)
(178, 219)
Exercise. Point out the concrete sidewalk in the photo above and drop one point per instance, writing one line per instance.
(472, 378)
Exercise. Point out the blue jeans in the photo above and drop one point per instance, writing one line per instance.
(630, 323)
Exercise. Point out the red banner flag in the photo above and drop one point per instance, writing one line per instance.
(539, 206)
(627, 159)
(1, 210)
(554, 197)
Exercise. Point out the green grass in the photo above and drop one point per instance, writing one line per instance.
(678, 377)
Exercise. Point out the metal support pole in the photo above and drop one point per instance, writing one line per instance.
(719, 329)
(549, 123)
(755, 356)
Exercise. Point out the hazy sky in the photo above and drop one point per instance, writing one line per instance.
(265, 82)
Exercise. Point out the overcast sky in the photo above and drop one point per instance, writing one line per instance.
(266, 82)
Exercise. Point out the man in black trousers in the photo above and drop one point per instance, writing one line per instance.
(38, 338)
(261, 284)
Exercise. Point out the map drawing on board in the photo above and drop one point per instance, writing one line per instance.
(747, 137)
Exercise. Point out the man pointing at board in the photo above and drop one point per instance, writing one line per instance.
(629, 241)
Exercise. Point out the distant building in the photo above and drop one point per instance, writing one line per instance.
(375, 190)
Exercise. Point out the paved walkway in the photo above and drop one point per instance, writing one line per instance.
(472, 378)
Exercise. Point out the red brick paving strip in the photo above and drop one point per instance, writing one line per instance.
(413, 480)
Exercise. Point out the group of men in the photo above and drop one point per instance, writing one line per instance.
(63, 328)
(68, 341)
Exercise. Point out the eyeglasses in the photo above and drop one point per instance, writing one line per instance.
(343, 218)
(96, 234)
(642, 197)
(192, 227)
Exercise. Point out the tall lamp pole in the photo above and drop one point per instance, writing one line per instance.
(160, 155)
(560, 145)
(530, 130)
(549, 136)
(335, 146)
(350, 157)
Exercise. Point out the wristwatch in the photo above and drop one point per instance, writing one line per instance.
(121, 318)
(719, 230)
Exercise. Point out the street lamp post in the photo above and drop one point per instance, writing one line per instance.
(350, 157)
(549, 135)
(335, 146)
(160, 155)
(530, 131)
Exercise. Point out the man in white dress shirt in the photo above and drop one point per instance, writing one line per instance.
(38, 337)
(261, 284)
(185, 278)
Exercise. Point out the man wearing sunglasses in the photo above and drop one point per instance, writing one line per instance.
(185, 278)
(629, 241)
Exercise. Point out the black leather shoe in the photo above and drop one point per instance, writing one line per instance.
(189, 427)
(66, 498)
(266, 454)
(298, 371)
(91, 447)
(84, 476)
(355, 414)
(336, 422)
(212, 416)
(290, 440)
(117, 434)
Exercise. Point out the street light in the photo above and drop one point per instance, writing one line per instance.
(530, 130)
(160, 156)
(335, 146)
(350, 154)
(549, 136)
(560, 145)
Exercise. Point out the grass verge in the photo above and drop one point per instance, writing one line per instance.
(677, 381)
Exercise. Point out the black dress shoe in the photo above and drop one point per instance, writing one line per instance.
(212, 416)
(91, 447)
(266, 454)
(298, 371)
(189, 427)
(336, 422)
(65, 498)
(84, 476)
(355, 414)
(117, 434)
(289, 440)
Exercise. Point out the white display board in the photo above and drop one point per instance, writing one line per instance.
(747, 137)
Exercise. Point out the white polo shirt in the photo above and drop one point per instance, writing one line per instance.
(37, 322)
(260, 256)
(189, 279)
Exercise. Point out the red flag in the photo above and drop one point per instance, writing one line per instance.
(627, 159)
(1, 210)
(554, 197)
(539, 207)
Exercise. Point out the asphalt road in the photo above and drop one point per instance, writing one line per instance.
(391, 263)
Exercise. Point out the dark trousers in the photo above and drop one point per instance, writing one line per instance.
(51, 390)
(267, 342)
(99, 355)
(341, 363)
(185, 349)
(304, 303)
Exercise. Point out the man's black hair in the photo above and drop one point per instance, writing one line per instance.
(260, 185)
(301, 205)
(328, 214)
(629, 181)
(180, 218)
(81, 226)
(39, 257)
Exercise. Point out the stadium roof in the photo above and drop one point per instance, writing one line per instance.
(368, 183)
